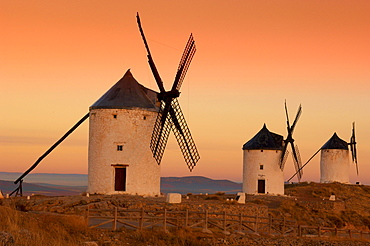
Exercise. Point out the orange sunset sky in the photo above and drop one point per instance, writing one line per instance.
(59, 57)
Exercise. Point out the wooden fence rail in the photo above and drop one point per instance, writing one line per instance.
(211, 221)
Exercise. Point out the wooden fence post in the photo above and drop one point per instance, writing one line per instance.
(350, 233)
(240, 222)
(319, 231)
(165, 220)
(187, 218)
(283, 230)
(224, 221)
(206, 220)
(299, 232)
(270, 224)
(87, 215)
(141, 218)
(336, 232)
(114, 224)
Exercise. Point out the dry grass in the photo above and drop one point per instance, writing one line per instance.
(31, 229)
(41, 229)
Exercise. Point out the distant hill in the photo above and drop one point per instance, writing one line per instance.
(73, 184)
(41, 189)
(198, 184)
(48, 178)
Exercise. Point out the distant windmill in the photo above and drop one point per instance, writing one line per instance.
(261, 170)
(128, 131)
(264, 157)
(334, 161)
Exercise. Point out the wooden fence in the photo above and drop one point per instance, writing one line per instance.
(210, 221)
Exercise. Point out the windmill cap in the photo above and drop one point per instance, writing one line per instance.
(335, 143)
(127, 93)
(265, 139)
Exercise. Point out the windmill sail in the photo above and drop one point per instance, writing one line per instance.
(183, 136)
(170, 115)
(297, 162)
(161, 132)
(186, 58)
(352, 145)
(283, 160)
(289, 140)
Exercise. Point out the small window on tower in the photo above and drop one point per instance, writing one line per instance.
(261, 167)
(115, 116)
(119, 147)
(144, 117)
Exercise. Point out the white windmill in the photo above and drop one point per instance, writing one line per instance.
(129, 129)
(261, 170)
(264, 157)
(334, 161)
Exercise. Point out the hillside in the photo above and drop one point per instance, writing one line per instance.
(309, 203)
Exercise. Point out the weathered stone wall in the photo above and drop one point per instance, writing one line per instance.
(334, 166)
(131, 128)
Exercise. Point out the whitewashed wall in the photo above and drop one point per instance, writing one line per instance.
(271, 173)
(334, 166)
(133, 130)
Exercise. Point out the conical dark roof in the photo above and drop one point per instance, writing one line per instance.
(335, 143)
(265, 139)
(127, 93)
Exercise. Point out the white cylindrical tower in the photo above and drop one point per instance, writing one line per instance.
(334, 162)
(261, 170)
(120, 129)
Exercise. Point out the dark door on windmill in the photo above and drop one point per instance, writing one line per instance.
(261, 186)
(120, 179)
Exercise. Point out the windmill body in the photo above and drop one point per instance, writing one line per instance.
(334, 161)
(120, 129)
(261, 164)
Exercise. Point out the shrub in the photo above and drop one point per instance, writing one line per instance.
(336, 221)
(213, 197)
